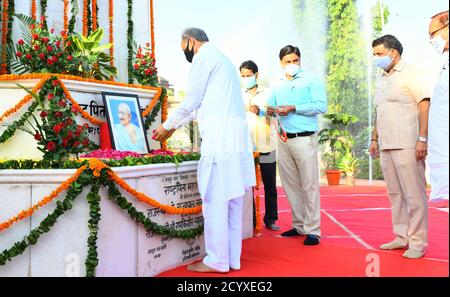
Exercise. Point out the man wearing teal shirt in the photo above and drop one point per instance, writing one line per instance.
(297, 100)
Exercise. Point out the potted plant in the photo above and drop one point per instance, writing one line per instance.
(338, 141)
(348, 164)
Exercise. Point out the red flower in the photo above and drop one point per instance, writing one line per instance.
(21, 42)
(65, 142)
(49, 48)
(51, 96)
(62, 103)
(36, 47)
(52, 30)
(69, 121)
(63, 33)
(85, 142)
(38, 136)
(45, 40)
(29, 56)
(32, 26)
(57, 129)
(19, 54)
(68, 43)
(148, 71)
(51, 146)
(42, 18)
(55, 59)
(86, 125)
(75, 110)
(58, 114)
(43, 114)
(35, 36)
(144, 62)
(136, 66)
(41, 26)
(70, 135)
(50, 62)
(69, 58)
(42, 56)
(55, 83)
(76, 144)
(58, 44)
(147, 44)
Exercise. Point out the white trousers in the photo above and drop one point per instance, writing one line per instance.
(223, 229)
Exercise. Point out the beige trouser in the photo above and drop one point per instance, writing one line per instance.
(298, 166)
(406, 186)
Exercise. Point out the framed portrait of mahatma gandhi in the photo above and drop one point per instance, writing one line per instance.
(125, 122)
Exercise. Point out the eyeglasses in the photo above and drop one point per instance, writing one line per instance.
(437, 30)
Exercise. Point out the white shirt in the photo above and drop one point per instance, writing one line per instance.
(262, 130)
(214, 92)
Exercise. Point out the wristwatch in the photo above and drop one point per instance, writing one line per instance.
(423, 139)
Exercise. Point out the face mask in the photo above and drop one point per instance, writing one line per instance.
(189, 53)
(383, 62)
(292, 69)
(249, 82)
(438, 43)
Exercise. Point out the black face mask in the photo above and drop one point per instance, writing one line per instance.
(189, 53)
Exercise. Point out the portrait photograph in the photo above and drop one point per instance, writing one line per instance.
(125, 123)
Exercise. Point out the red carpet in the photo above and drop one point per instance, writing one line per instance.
(355, 221)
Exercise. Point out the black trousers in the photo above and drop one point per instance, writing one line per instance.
(269, 178)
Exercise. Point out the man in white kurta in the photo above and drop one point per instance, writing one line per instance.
(226, 168)
(438, 129)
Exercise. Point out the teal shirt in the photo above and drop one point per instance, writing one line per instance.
(308, 95)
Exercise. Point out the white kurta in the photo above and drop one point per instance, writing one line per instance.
(214, 92)
(438, 135)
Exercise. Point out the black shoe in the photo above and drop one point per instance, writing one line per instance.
(273, 227)
(290, 233)
(311, 239)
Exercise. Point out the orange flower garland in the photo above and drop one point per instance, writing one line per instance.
(4, 36)
(111, 31)
(33, 9)
(94, 15)
(144, 198)
(29, 212)
(66, 18)
(24, 101)
(45, 77)
(85, 18)
(152, 29)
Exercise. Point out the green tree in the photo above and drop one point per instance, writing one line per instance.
(379, 20)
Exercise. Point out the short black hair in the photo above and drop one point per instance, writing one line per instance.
(390, 42)
(289, 49)
(250, 65)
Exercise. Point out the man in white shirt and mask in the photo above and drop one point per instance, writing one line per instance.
(226, 168)
(438, 119)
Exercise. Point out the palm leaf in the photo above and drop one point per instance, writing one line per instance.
(24, 25)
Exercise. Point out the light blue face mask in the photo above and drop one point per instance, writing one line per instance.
(383, 62)
(249, 82)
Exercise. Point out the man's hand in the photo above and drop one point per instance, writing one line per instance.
(161, 134)
(421, 150)
(285, 110)
(270, 111)
(374, 149)
(254, 109)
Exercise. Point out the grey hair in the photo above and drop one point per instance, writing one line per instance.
(124, 107)
(195, 33)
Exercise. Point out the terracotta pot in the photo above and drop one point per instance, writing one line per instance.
(350, 180)
(333, 177)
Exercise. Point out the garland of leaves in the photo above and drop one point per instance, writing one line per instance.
(17, 124)
(11, 11)
(93, 199)
(73, 19)
(152, 116)
(130, 40)
(44, 11)
(87, 177)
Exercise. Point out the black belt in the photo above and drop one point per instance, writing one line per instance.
(301, 134)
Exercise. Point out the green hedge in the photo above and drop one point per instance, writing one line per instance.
(363, 170)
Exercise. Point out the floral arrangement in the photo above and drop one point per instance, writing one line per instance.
(45, 52)
(57, 133)
(144, 70)
(110, 154)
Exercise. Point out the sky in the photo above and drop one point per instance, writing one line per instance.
(258, 29)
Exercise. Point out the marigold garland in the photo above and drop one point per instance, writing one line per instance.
(85, 17)
(111, 30)
(33, 9)
(5, 19)
(144, 198)
(24, 100)
(152, 29)
(29, 212)
(66, 17)
(94, 15)
(258, 199)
